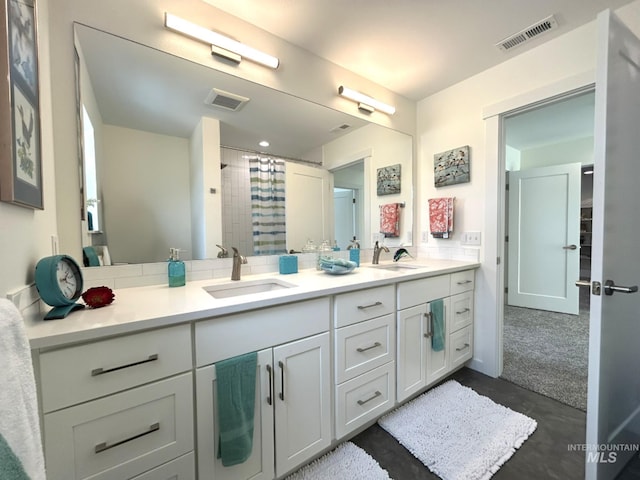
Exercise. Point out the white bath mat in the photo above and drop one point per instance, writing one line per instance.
(458, 434)
(347, 461)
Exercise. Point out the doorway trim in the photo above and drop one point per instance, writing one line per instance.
(490, 286)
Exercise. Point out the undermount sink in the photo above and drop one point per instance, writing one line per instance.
(397, 267)
(235, 289)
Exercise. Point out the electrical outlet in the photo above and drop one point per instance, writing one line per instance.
(425, 236)
(472, 238)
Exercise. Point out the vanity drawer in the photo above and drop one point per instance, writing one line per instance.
(182, 468)
(364, 346)
(461, 311)
(460, 346)
(354, 307)
(364, 398)
(76, 374)
(462, 281)
(122, 435)
(415, 292)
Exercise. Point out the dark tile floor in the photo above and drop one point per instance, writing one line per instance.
(545, 455)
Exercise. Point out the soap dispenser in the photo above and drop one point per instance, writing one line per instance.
(176, 268)
(354, 251)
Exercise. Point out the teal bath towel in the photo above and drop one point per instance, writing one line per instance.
(437, 321)
(236, 380)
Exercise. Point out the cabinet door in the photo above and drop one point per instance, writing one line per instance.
(411, 374)
(437, 362)
(259, 465)
(302, 400)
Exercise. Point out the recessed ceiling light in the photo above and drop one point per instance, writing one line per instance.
(264, 143)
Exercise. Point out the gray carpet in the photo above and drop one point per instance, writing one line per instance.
(547, 352)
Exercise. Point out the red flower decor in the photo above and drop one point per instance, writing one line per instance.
(97, 297)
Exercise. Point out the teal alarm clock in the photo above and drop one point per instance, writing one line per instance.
(59, 283)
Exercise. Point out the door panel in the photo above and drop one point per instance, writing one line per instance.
(613, 404)
(544, 222)
(311, 218)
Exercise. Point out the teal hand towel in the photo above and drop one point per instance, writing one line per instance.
(10, 465)
(236, 385)
(437, 321)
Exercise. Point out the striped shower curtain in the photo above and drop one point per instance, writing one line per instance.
(267, 205)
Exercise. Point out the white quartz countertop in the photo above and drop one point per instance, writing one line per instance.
(140, 308)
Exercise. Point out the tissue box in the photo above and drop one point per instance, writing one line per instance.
(288, 264)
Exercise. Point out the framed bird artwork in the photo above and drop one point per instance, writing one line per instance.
(20, 152)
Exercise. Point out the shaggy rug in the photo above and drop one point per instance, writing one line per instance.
(457, 433)
(347, 461)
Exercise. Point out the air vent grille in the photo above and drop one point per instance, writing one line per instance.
(340, 128)
(528, 33)
(228, 101)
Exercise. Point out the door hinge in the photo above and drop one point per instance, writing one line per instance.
(506, 238)
(353, 200)
(498, 261)
(506, 187)
(506, 289)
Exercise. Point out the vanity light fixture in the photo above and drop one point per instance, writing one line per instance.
(220, 45)
(366, 104)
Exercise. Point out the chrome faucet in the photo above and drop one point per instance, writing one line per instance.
(238, 260)
(401, 252)
(223, 253)
(376, 252)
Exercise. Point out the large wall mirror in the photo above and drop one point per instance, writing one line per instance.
(168, 145)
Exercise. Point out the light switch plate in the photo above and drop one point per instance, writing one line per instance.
(471, 238)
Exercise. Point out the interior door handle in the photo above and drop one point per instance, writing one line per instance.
(610, 288)
(570, 247)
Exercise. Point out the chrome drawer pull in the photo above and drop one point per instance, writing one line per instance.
(459, 349)
(101, 447)
(374, 396)
(101, 371)
(464, 282)
(363, 307)
(377, 344)
(429, 333)
(463, 311)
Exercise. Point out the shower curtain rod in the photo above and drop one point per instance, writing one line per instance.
(282, 157)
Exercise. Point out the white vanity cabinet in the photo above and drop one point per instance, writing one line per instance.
(419, 365)
(293, 387)
(120, 407)
(364, 356)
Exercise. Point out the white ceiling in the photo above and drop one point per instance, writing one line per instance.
(412, 47)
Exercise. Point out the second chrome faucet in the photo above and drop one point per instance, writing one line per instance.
(238, 261)
(376, 252)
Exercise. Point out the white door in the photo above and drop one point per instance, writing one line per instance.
(613, 404)
(308, 205)
(344, 212)
(412, 365)
(302, 385)
(544, 238)
(259, 465)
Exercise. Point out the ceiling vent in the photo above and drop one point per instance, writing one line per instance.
(340, 128)
(228, 101)
(527, 34)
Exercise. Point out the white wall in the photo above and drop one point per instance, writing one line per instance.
(25, 234)
(571, 151)
(385, 147)
(145, 192)
(454, 117)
